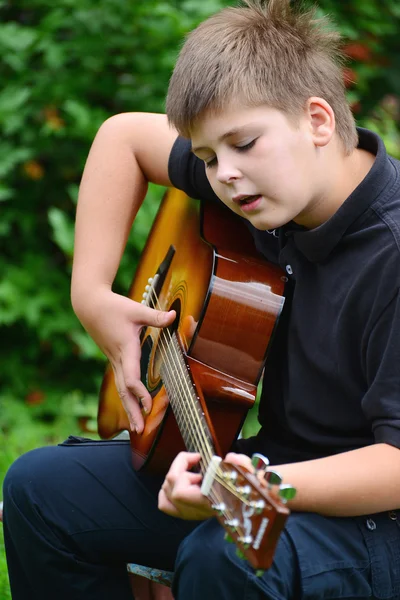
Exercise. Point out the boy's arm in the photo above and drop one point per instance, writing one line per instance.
(128, 151)
(359, 482)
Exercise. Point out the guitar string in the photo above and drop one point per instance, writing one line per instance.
(187, 412)
(214, 496)
(203, 441)
(196, 422)
(238, 529)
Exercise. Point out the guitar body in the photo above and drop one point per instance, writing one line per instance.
(204, 265)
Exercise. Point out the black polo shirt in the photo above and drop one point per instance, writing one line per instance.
(332, 380)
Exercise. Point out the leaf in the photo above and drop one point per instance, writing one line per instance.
(11, 157)
(15, 38)
(12, 98)
(63, 230)
(5, 193)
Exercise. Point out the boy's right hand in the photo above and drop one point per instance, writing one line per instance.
(128, 152)
(115, 322)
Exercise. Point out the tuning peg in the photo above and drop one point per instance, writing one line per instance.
(219, 508)
(232, 523)
(244, 491)
(246, 540)
(229, 475)
(273, 477)
(286, 492)
(259, 462)
(258, 506)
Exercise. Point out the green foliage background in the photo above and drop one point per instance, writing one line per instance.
(65, 67)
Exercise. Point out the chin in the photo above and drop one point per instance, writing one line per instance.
(264, 225)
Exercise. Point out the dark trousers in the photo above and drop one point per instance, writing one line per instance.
(75, 514)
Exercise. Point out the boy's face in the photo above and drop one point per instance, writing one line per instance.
(261, 165)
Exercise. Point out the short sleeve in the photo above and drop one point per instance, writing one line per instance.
(187, 172)
(381, 403)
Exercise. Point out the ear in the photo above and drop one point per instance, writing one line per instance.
(321, 119)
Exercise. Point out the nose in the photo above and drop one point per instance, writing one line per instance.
(227, 172)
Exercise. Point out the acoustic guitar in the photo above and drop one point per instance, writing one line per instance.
(202, 371)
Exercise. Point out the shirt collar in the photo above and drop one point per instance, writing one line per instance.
(316, 244)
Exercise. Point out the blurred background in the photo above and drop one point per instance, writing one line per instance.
(65, 67)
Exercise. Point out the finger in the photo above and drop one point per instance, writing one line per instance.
(187, 491)
(188, 499)
(129, 402)
(242, 460)
(184, 498)
(194, 478)
(144, 315)
(183, 486)
(130, 366)
(139, 392)
(165, 505)
(182, 463)
(176, 487)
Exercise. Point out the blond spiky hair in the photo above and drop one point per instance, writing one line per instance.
(262, 53)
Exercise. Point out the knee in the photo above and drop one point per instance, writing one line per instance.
(207, 565)
(21, 485)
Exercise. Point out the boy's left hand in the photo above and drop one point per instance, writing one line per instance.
(180, 494)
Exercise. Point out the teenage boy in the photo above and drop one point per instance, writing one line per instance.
(258, 98)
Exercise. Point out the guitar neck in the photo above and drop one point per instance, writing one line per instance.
(252, 518)
(184, 401)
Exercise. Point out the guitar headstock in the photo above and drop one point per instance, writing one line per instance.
(251, 511)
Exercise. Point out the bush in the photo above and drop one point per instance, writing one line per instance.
(68, 65)
(72, 64)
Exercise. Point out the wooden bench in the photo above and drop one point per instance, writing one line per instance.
(149, 583)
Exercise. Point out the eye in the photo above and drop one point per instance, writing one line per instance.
(246, 146)
(211, 163)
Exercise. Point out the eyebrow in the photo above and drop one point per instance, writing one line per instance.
(228, 134)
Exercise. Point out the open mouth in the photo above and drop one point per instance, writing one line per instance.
(248, 200)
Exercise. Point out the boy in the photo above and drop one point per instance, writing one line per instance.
(257, 93)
